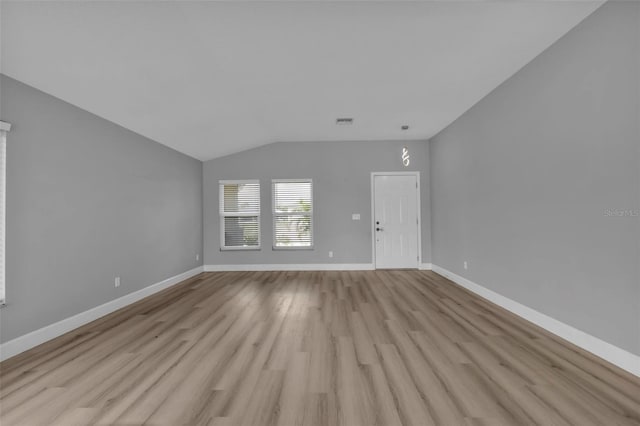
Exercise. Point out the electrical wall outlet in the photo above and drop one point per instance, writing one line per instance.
(330, 253)
(355, 216)
(465, 264)
(197, 257)
(116, 282)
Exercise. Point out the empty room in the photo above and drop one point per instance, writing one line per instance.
(348, 213)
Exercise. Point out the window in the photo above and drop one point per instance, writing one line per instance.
(240, 215)
(292, 213)
(4, 128)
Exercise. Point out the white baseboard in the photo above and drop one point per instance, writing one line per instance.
(292, 267)
(615, 355)
(425, 267)
(37, 337)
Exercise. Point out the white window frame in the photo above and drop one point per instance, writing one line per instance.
(275, 214)
(222, 215)
(4, 129)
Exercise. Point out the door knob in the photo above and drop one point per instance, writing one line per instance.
(378, 229)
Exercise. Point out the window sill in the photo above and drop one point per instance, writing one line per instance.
(291, 248)
(240, 248)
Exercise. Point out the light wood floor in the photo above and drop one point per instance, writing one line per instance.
(314, 348)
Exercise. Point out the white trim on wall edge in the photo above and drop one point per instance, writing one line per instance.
(44, 334)
(611, 353)
(292, 267)
(425, 267)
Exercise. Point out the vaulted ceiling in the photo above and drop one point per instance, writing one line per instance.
(213, 78)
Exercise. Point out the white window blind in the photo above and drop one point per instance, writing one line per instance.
(240, 215)
(3, 187)
(292, 213)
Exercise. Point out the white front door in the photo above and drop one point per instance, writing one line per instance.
(395, 221)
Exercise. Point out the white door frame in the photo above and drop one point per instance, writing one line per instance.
(373, 213)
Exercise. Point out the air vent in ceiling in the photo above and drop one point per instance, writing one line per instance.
(344, 121)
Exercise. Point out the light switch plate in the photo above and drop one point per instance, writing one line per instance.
(355, 216)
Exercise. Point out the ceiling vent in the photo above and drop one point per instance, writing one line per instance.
(344, 121)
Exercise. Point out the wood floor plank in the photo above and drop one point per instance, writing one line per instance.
(432, 391)
(371, 348)
(413, 408)
(354, 398)
(294, 391)
(385, 408)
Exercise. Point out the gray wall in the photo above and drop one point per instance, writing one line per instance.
(88, 200)
(341, 173)
(522, 183)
